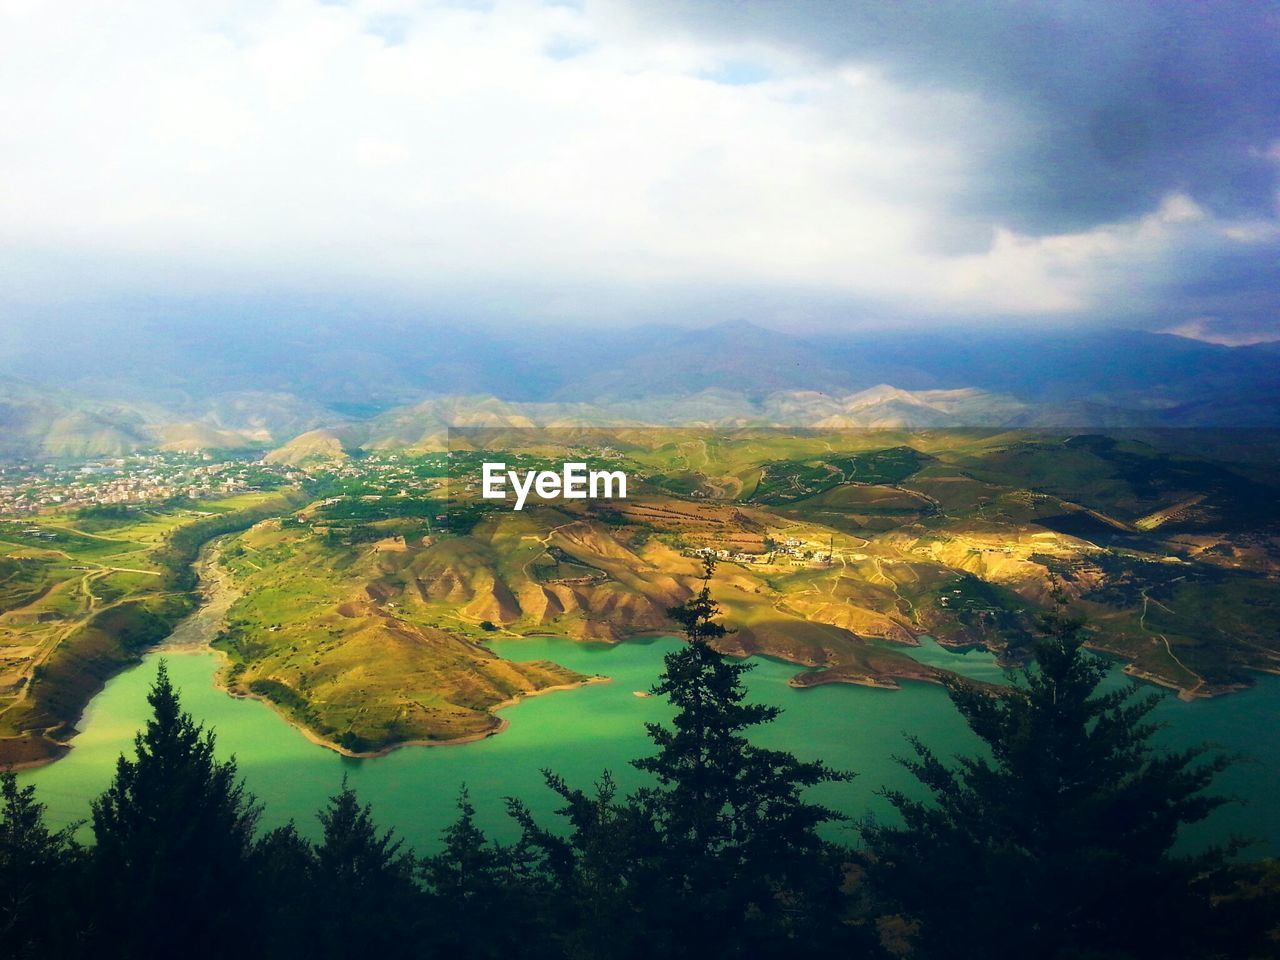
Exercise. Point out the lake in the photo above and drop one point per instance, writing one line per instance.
(579, 733)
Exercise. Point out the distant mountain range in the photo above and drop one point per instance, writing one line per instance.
(387, 385)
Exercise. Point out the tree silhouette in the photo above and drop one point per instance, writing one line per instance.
(39, 871)
(1058, 843)
(739, 850)
(174, 834)
(601, 876)
(486, 900)
(362, 893)
(283, 864)
(720, 857)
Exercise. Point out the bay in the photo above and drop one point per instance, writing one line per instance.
(581, 732)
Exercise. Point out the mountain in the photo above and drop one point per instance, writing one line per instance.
(388, 384)
(311, 446)
(361, 367)
(886, 406)
(739, 357)
(37, 422)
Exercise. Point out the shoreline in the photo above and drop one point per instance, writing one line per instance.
(319, 741)
(62, 747)
(62, 750)
(209, 564)
(217, 593)
(870, 682)
(210, 574)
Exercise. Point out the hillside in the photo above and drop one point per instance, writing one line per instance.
(389, 385)
(327, 635)
(836, 562)
(366, 604)
(309, 447)
(80, 600)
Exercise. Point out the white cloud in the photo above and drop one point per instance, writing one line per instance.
(1214, 330)
(521, 144)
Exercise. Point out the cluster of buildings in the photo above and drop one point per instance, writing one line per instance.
(737, 556)
(388, 474)
(32, 488)
(791, 550)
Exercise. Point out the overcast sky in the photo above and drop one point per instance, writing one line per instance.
(806, 163)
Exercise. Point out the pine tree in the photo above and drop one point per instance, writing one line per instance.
(40, 874)
(1057, 844)
(283, 865)
(174, 834)
(721, 856)
(486, 902)
(601, 877)
(362, 894)
(740, 855)
(468, 867)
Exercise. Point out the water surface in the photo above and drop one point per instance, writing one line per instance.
(579, 733)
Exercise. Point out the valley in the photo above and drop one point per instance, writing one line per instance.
(367, 589)
(369, 586)
(82, 596)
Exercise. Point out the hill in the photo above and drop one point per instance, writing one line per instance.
(401, 383)
(309, 447)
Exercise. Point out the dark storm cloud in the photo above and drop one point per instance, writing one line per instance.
(1235, 286)
(1119, 103)
(810, 164)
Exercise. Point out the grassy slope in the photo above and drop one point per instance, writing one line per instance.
(317, 634)
(368, 635)
(1004, 510)
(79, 607)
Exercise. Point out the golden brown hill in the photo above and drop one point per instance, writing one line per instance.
(367, 648)
(309, 447)
(194, 435)
(324, 635)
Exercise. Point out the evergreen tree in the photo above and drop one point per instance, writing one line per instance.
(601, 874)
(361, 891)
(486, 900)
(283, 866)
(174, 833)
(720, 858)
(40, 874)
(738, 849)
(1057, 844)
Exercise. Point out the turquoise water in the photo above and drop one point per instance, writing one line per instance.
(578, 733)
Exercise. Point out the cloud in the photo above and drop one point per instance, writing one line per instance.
(1117, 105)
(625, 162)
(1215, 330)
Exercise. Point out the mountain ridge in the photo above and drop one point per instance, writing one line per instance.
(399, 386)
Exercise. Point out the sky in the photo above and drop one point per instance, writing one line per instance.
(808, 165)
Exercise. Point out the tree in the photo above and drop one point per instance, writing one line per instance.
(39, 872)
(174, 833)
(486, 900)
(720, 857)
(363, 899)
(740, 853)
(1057, 844)
(601, 877)
(283, 865)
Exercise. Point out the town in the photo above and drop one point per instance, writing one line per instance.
(147, 479)
(159, 478)
(790, 550)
